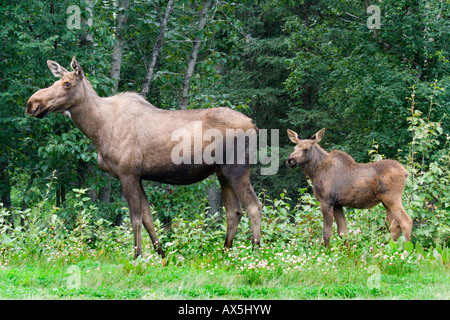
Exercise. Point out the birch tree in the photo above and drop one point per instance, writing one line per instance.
(156, 49)
(104, 192)
(118, 47)
(194, 54)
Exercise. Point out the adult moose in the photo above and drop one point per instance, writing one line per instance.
(338, 181)
(134, 142)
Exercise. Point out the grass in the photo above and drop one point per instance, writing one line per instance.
(270, 273)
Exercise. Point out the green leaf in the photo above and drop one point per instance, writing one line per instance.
(419, 248)
(409, 246)
(392, 245)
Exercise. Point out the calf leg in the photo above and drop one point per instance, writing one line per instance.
(339, 216)
(405, 223)
(232, 207)
(394, 227)
(401, 218)
(327, 212)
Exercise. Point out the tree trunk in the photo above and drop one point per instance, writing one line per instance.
(214, 199)
(307, 97)
(61, 197)
(27, 192)
(119, 218)
(84, 169)
(118, 47)
(305, 13)
(194, 53)
(156, 49)
(104, 193)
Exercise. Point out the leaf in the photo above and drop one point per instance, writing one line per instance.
(409, 246)
(419, 248)
(392, 245)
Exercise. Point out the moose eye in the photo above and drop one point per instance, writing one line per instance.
(66, 84)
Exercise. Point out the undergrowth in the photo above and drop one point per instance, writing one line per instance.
(79, 236)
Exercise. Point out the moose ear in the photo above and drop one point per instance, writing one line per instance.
(56, 69)
(77, 67)
(318, 135)
(293, 136)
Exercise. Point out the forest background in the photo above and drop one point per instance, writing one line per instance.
(379, 92)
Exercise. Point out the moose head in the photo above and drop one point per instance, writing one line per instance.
(303, 149)
(62, 95)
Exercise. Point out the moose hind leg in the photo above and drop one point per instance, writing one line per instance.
(233, 209)
(339, 216)
(239, 178)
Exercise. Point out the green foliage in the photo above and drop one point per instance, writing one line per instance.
(177, 201)
(289, 264)
(428, 187)
(353, 81)
(302, 65)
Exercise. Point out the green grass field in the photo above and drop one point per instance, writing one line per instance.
(290, 273)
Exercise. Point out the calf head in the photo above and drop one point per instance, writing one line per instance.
(62, 95)
(302, 151)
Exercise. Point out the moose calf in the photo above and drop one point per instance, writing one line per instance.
(339, 181)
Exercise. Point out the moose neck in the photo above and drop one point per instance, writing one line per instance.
(88, 114)
(316, 157)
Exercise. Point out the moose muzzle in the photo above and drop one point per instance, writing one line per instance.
(291, 162)
(36, 108)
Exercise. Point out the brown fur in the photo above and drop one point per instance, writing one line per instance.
(133, 140)
(339, 181)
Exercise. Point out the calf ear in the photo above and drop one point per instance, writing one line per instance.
(293, 136)
(318, 135)
(77, 67)
(56, 69)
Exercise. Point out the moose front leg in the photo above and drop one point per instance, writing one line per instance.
(147, 219)
(132, 193)
(327, 212)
